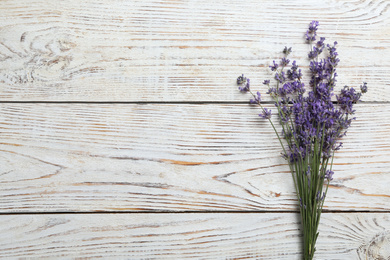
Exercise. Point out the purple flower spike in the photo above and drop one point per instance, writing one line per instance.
(241, 79)
(280, 77)
(347, 98)
(313, 26)
(328, 175)
(274, 67)
(256, 99)
(266, 114)
(284, 62)
(244, 83)
(363, 88)
(287, 51)
(312, 31)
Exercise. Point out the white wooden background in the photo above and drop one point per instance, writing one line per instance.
(123, 134)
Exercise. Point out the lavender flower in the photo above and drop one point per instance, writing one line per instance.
(363, 88)
(266, 114)
(284, 62)
(287, 51)
(312, 124)
(313, 26)
(328, 175)
(274, 67)
(347, 98)
(294, 73)
(319, 198)
(244, 83)
(308, 170)
(256, 99)
(241, 79)
(312, 31)
(280, 77)
(272, 91)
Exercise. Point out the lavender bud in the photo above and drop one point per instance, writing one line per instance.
(274, 67)
(363, 88)
(266, 114)
(241, 79)
(266, 82)
(287, 51)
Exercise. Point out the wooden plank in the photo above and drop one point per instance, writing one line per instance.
(178, 50)
(191, 236)
(137, 157)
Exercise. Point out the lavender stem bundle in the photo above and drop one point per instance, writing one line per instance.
(312, 125)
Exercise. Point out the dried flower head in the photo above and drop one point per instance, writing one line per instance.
(244, 83)
(287, 51)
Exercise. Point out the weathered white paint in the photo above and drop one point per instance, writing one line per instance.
(178, 50)
(192, 236)
(91, 157)
(83, 158)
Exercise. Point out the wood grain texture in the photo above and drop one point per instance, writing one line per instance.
(178, 50)
(175, 156)
(191, 236)
(137, 157)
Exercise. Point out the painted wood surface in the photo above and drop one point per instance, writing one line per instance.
(135, 157)
(192, 236)
(178, 50)
(174, 164)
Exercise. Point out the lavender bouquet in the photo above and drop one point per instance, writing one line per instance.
(312, 125)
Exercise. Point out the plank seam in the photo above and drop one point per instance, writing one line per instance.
(185, 212)
(159, 102)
